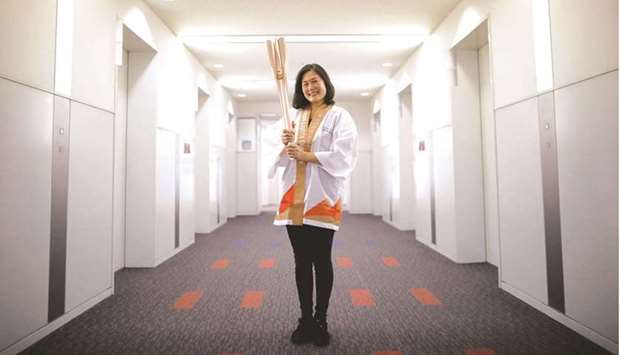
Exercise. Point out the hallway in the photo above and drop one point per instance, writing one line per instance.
(471, 145)
(473, 316)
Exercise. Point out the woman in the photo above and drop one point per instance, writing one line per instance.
(316, 166)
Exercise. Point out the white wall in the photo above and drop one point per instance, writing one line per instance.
(468, 169)
(89, 204)
(27, 31)
(587, 127)
(25, 136)
(397, 157)
(45, 57)
(487, 120)
(141, 164)
(211, 142)
(582, 89)
(248, 160)
(120, 163)
(360, 201)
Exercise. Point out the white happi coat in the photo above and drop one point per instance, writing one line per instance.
(312, 193)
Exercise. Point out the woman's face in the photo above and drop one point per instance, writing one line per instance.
(313, 87)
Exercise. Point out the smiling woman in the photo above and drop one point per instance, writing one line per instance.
(316, 165)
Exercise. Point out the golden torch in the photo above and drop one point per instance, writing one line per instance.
(277, 58)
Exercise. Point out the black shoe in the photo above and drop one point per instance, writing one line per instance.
(321, 336)
(304, 332)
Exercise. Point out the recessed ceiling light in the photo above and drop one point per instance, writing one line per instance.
(364, 94)
(404, 41)
(218, 66)
(241, 95)
(387, 65)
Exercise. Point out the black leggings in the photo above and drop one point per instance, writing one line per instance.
(312, 245)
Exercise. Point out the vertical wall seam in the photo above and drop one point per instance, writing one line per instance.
(177, 190)
(551, 192)
(432, 188)
(551, 203)
(58, 226)
(482, 158)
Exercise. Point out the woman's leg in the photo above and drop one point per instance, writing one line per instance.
(303, 268)
(322, 239)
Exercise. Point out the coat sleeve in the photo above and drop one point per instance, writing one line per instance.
(281, 160)
(340, 160)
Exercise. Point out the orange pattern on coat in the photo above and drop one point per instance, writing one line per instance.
(287, 200)
(324, 209)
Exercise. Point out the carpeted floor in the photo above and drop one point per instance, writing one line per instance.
(234, 292)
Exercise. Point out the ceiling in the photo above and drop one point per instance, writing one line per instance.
(350, 39)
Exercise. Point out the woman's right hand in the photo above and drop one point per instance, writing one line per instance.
(288, 135)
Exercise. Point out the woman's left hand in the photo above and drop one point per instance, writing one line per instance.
(294, 151)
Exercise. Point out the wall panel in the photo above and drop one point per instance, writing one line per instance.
(587, 128)
(521, 219)
(443, 176)
(422, 166)
(514, 70)
(26, 174)
(94, 43)
(361, 185)
(28, 37)
(584, 37)
(89, 204)
(186, 212)
(165, 195)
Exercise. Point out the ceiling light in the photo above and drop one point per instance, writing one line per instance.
(218, 66)
(241, 95)
(402, 39)
(364, 94)
(387, 65)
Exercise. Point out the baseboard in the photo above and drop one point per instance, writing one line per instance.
(390, 223)
(437, 249)
(562, 318)
(256, 213)
(172, 253)
(400, 228)
(41, 333)
(360, 212)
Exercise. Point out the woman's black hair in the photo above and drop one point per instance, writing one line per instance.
(299, 100)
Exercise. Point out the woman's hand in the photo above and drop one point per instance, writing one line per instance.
(288, 135)
(294, 151)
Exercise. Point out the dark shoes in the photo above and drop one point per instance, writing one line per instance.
(304, 332)
(311, 330)
(321, 337)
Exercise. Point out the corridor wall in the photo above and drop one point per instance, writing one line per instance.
(212, 142)
(557, 184)
(57, 103)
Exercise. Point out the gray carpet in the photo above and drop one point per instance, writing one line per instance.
(474, 316)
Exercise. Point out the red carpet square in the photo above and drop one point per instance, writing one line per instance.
(425, 296)
(391, 261)
(481, 351)
(252, 299)
(344, 262)
(188, 300)
(220, 264)
(267, 263)
(362, 298)
(387, 353)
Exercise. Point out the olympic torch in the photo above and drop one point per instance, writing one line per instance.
(277, 58)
